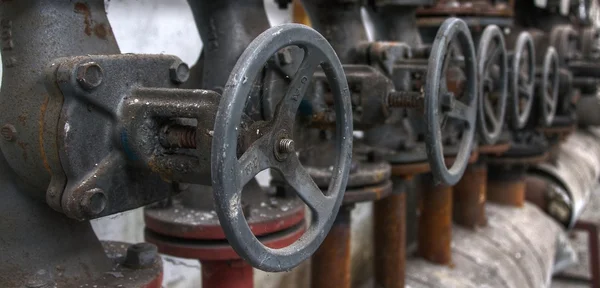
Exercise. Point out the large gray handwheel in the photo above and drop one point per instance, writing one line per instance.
(522, 80)
(492, 67)
(440, 103)
(274, 150)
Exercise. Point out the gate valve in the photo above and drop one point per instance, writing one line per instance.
(492, 62)
(125, 136)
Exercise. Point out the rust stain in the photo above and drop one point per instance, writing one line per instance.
(23, 119)
(332, 262)
(469, 197)
(435, 223)
(41, 133)
(390, 241)
(82, 8)
(507, 192)
(100, 31)
(23, 146)
(165, 174)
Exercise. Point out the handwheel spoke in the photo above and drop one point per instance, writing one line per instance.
(548, 98)
(524, 92)
(492, 57)
(298, 178)
(254, 160)
(459, 111)
(298, 86)
(489, 112)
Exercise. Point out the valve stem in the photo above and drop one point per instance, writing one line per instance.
(405, 99)
(178, 136)
(286, 146)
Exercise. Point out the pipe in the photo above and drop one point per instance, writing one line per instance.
(390, 240)
(575, 170)
(469, 196)
(435, 222)
(340, 23)
(506, 186)
(227, 274)
(332, 261)
(226, 28)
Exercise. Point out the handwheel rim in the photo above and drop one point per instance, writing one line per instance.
(550, 80)
(225, 176)
(491, 136)
(520, 116)
(451, 28)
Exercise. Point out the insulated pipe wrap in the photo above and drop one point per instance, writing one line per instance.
(576, 169)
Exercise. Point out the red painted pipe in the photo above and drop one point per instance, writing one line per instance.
(227, 274)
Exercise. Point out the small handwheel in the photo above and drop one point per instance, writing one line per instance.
(548, 87)
(274, 148)
(441, 104)
(492, 67)
(522, 80)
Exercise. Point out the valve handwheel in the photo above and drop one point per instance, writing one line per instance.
(493, 84)
(441, 104)
(522, 80)
(548, 89)
(275, 148)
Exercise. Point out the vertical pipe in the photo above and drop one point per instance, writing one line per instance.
(435, 222)
(390, 240)
(341, 24)
(397, 23)
(227, 274)
(506, 186)
(469, 196)
(226, 28)
(331, 263)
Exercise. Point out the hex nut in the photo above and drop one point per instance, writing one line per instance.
(93, 202)
(89, 75)
(141, 255)
(179, 72)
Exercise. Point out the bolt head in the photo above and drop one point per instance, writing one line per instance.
(8, 132)
(93, 202)
(89, 75)
(179, 72)
(141, 255)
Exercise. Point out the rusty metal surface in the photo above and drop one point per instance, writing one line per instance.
(435, 222)
(506, 187)
(495, 149)
(130, 113)
(469, 8)
(364, 174)
(411, 169)
(218, 250)
(469, 197)
(331, 264)
(531, 160)
(28, 46)
(227, 274)
(265, 214)
(389, 239)
(515, 250)
(368, 193)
